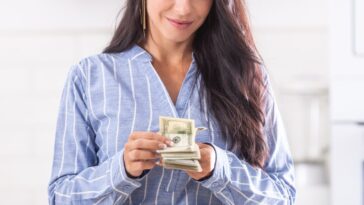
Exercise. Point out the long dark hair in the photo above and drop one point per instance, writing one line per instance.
(229, 65)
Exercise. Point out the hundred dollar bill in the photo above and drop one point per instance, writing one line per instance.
(194, 154)
(185, 153)
(181, 131)
(193, 165)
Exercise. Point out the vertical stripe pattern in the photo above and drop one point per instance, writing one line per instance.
(106, 97)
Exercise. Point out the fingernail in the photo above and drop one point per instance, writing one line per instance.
(162, 146)
(170, 143)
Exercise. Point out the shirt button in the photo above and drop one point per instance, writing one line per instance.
(230, 159)
(215, 185)
(226, 193)
(127, 187)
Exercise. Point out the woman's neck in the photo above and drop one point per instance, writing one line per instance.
(169, 53)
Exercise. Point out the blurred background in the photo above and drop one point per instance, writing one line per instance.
(313, 49)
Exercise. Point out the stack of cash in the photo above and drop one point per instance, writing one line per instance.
(185, 153)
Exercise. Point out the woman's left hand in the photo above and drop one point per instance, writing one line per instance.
(207, 161)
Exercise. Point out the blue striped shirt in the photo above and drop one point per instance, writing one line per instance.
(108, 96)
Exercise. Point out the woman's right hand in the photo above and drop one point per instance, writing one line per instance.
(140, 151)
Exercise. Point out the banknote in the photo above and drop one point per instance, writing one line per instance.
(192, 165)
(180, 131)
(185, 153)
(194, 154)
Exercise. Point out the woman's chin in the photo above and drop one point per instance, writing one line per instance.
(178, 38)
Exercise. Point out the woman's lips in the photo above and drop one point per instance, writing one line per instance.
(179, 23)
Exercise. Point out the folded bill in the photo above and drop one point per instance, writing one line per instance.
(192, 165)
(193, 154)
(185, 153)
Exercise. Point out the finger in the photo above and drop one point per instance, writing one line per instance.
(143, 165)
(190, 172)
(159, 163)
(193, 174)
(203, 145)
(145, 144)
(150, 136)
(207, 148)
(205, 157)
(204, 151)
(136, 155)
(147, 135)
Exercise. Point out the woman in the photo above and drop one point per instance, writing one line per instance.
(180, 58)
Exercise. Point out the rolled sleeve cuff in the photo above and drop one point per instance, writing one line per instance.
(221, 173)
(119, 179)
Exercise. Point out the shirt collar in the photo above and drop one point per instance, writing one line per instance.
(139, 53)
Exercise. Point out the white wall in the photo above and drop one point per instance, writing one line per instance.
(41, 39)
(292, 36)
(293, 39)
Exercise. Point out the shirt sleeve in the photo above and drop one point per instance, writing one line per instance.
(234, 181)
(77, 176)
